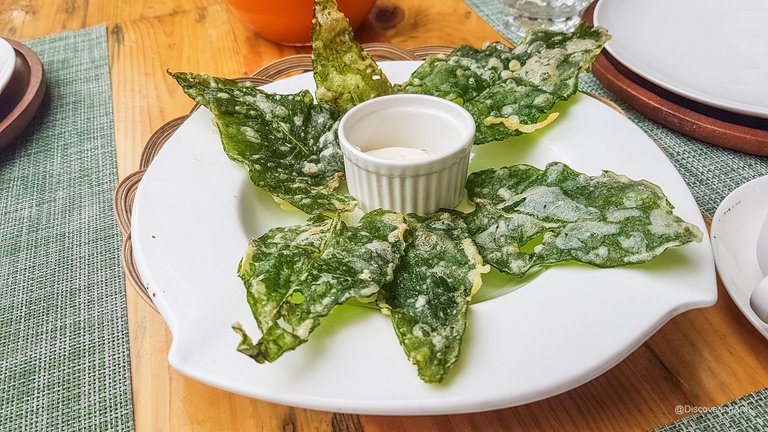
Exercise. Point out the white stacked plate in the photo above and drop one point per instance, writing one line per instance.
(709, 51)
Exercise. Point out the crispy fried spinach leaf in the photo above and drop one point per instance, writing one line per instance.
(461, 76)
(430, 293)
(344, 73)
(507, 90)
(287, 142)
(527, 217)
(294, 276)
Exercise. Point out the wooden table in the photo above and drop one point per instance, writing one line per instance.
(701, 358)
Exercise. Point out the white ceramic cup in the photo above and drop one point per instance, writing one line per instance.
(758, 301)
(442, 128)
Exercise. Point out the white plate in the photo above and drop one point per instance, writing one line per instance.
(712, 51)
(195, 210)
(7, 63)
(735, 226)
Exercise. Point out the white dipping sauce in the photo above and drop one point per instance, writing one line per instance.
(405, 128)
(399, 153)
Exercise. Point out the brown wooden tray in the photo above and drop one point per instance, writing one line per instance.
(126, 190)
(712, 125)
(22, 96)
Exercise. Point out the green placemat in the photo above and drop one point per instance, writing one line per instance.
(493, 12)
(711, 172)
(64, 361)
(746, 414)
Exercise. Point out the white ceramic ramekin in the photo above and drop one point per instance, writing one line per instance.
(424, 185)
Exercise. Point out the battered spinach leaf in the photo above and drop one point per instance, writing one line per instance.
(527, 217)
(287, 142)
(460, 76)
(296, 275)
(344, 73)
(430, 293)
(507, 90)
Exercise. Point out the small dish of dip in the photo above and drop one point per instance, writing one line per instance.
(407, 153)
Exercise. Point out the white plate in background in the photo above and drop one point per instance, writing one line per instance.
(711, 51)
(735, 226)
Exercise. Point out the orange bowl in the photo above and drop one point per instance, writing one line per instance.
(290, 21)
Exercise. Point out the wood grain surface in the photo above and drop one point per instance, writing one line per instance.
(701, 358)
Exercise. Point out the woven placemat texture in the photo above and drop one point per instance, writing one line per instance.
(711, 172)
(64, 360)
(746, 414)
(494, 13)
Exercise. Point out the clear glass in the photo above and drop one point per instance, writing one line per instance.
(556, 15)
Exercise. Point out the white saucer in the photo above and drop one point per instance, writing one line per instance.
(7, 63)
(734, 241)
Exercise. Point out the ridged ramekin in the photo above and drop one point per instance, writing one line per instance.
(408, 120)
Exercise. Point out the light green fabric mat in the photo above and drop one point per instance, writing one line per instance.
(64, 361)
(746, 414)
(711, 173)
